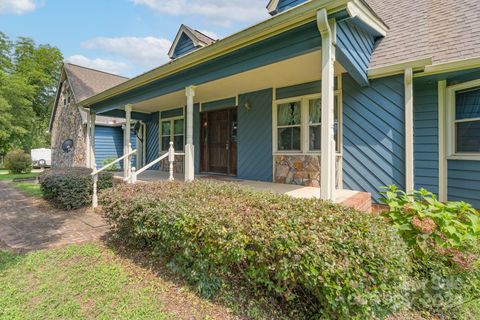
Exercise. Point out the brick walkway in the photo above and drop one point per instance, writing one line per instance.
(28, 224)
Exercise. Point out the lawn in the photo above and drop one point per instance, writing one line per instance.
(30, 189)
(92, 282)
(6, 176)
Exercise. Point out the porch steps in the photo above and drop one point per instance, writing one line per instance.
(361, 201)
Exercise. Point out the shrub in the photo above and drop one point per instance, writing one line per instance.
(113, 167)
(319, 259)
(444, 239)
(18, 161)
(71, 188)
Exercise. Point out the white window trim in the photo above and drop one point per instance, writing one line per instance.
(304, 125)
(172, 130)
(451, 121)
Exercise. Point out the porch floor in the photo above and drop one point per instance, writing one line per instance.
(355, 199)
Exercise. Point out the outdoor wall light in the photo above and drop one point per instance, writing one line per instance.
(247, 106)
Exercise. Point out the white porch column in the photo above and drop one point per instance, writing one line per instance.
(189, 147)
(409, 165)
(93, 119)
(127, 163)
(327, 158)
(87, 139)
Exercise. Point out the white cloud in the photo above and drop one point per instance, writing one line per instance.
(145, 52)
(219, 12)
(18, 6)
(211, 34)
(106, 65)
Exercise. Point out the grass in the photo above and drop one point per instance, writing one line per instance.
(92, 282)
(31, 189)
(6, 176)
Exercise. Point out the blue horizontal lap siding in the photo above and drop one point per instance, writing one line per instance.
(464, 181)
(184, 46)
(255, 136)
(354, 50)
(108, 143)
(373, 134)
(425, 134)
(287, 4)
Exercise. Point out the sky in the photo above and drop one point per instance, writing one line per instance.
(125, 37)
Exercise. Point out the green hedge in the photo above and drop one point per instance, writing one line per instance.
(318, 259)
(71, 188)
(18, 161)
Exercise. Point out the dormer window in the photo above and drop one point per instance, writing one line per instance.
(188, 40)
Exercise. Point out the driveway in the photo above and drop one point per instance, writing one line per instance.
(28, 224)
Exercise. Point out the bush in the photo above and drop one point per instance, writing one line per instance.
(71, 188)
(321, 260)
(444, 239)
(18, 161)
(113, 167)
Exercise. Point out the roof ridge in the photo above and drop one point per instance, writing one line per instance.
(96, 70)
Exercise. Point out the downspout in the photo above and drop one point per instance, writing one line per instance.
(409, 158)
(327, 157)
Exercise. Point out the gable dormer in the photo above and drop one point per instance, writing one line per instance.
(188, 40)
(277, 6)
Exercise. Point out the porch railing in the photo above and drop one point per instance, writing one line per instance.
(96, 172)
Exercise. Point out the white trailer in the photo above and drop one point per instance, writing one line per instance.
(41, 157)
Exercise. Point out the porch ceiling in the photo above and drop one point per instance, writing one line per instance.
(301, 69)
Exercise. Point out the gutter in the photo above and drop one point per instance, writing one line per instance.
(280, 23)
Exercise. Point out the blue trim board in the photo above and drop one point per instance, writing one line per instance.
(373, 134)
(219, 104)
(299, 90)
(172, 113)
(134, 115)
(292, 43)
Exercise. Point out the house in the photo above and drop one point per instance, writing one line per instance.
(68, 122)
(338, 94)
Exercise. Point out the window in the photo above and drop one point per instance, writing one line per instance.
(289, 126)
(299, 125)
(172, 130)
(464, 120)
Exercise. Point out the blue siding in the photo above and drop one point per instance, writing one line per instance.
(373, 134)
(109, 143)
(464, 181)
(153, 140)
(184, 46)
(255, 136)
(219, 104)
(354, 50)
(287, 4)
(426, 136)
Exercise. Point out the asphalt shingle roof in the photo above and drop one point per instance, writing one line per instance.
(86, 82)
(445, 30)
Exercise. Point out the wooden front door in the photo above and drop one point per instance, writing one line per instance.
(219, 145)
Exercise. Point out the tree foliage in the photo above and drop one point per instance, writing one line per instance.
(28, 78)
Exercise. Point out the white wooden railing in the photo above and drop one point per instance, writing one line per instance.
(96, 172)
(132, 178)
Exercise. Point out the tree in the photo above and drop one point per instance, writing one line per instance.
(28, 78)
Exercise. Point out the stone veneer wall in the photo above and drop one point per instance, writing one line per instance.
(301, 170)
(177, 165)
(68, 124)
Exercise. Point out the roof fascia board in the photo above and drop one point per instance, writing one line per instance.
(282, 22)
(457, 65)
(368, 20)
(398, 68)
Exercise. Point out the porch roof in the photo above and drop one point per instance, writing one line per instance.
(281, 37)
